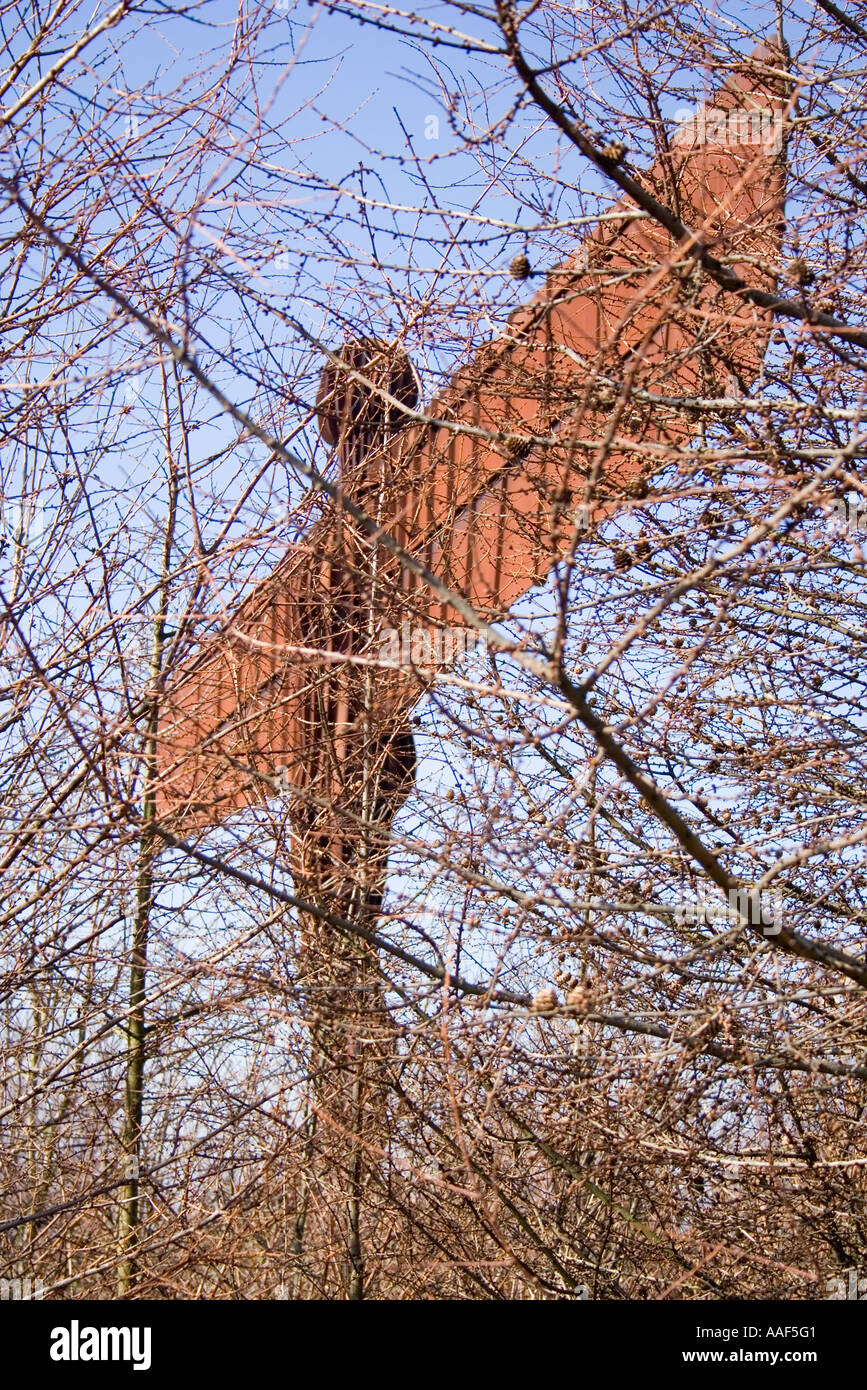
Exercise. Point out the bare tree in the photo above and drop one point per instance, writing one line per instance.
(337, 541)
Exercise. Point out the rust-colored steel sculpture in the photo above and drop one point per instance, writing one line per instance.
(570, 407)
(563, 409)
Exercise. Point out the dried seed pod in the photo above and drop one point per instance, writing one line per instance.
(517, 447)
(545, 1002)
(579, 998)
(614, 150)
(520, 268)
(798, 271)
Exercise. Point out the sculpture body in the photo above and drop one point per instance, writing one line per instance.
(545, 432)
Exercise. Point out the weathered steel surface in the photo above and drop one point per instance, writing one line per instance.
(548, 418)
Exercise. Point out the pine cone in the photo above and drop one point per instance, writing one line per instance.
(545, 1002)
(520, 268)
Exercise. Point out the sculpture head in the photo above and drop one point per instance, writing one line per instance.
(350, 408)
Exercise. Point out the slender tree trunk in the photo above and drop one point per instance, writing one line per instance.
(300, 1223)
(355, 1284)
(129, 1217)
(135, 1060)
